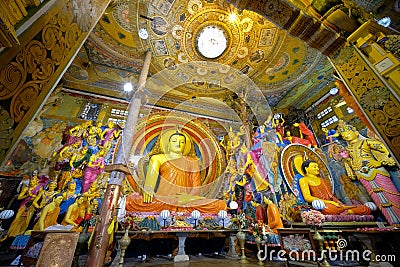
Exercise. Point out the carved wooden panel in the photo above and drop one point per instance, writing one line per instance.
(58, 249)
(30, 71)
(380, 104)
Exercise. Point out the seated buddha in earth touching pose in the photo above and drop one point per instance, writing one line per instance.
(173, 179)
(314, 187)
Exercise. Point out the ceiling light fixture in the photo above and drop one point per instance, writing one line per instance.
(333, 91)
(143, 33)
(211, 42)
(232, 17)
(128, 87)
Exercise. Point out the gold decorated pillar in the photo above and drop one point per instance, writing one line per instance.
(29, 72)
(376, 98)
(101, 237)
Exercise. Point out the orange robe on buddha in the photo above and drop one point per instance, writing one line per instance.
(177, 176)
(323, 191)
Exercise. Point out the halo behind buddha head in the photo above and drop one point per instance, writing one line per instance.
(164, 140)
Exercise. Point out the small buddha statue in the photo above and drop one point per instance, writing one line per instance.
(49, 214)
(314, 187)
(75, 213)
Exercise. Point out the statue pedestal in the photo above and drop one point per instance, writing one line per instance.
(232, 247)
(181, 255)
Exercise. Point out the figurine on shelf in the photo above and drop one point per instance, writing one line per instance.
(330, 135)
(26, 210)
(75, 213)
(69, 196)
(78, 133)
(94, 167)
(278, 124)
(366, 161)
(63, 163)
(109, 133)
(268, 213)
(49, 214)
(314, 188)
(46, 195)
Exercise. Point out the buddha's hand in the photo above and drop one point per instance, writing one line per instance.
(148, 194)
(374, 164)
(186, 198)
(332, 202)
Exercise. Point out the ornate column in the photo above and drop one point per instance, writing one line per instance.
(379, 102)
(99, 244)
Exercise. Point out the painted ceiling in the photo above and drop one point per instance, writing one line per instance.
(285, 69)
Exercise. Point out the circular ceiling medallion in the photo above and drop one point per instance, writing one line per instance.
(211, 41)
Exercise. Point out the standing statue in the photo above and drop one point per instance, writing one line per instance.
(26, 210)
(49, 214)
(366, 161)
(232, 142)
(94, 167)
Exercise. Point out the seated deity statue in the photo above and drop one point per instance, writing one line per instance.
(173, 179)
(314, 187)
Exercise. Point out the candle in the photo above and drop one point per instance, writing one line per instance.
(263, 230)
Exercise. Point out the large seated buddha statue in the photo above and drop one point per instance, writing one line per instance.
(173, 179)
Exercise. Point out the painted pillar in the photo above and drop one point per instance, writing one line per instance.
(101, 237)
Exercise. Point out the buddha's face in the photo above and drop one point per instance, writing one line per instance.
(348, 134)
(177, 143)
(313, 168)
(52, 186)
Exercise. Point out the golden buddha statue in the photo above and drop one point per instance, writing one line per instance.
(314, 187)
(75, 213)
(173, 179)
(366, 160)
(49, 214)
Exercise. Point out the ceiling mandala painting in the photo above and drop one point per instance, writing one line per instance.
(191, 32)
